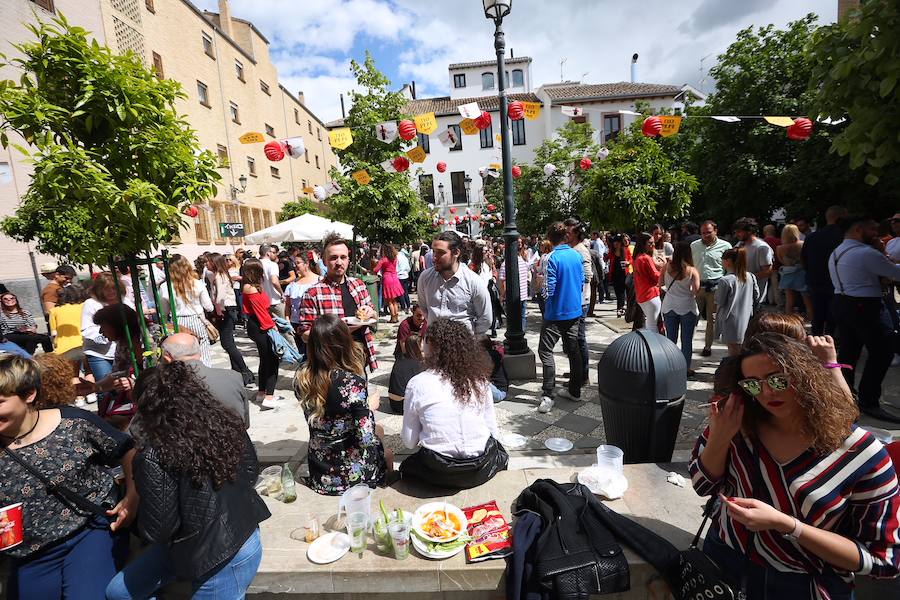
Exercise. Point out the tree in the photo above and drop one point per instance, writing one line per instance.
(298, 207)
(114, 164)
(387, 208)
(855, 73)
(637, 185)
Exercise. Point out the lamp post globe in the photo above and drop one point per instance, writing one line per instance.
(496, 9)
(243, 181)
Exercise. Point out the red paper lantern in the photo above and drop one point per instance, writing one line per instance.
(586, 163)
(452, 211)
(191, 211)
(458, 220)
(483, 121)
(440, 221)
(516, 171)
(401, 163)
(274, 151)
(476, 217)
(800, 130)
(652, 126)
(441, 167)
(516, 111)
(407, 129)
(491, 207)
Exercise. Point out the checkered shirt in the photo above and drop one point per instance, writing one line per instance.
(324, 298)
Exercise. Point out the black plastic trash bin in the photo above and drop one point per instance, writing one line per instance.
(642, 378)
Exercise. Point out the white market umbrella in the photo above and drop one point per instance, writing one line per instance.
(305, 228)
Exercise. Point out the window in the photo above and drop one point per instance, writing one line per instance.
(235, 114)
(425, 142)
(459, 81)
(426, 188)
(45, 4)
(317, 162)
(158, 66)
(264, 87)
(201, 227)
(222, 153)
(149, 5)
(518, 78)
(239, 70)
(306, 156)
(257, 218)
(203, 94)
(303, 185)
(318, 134)
(458, 187)
(251, 166)
(506, 79)
(517, 129)
(612, 124)
(267, 218)
(218, 215)
(487, 137)
(296, 116)
(274, 172)
(309, 125)
(270, 131)
(208, 46)
(458, 133)
(487, 81)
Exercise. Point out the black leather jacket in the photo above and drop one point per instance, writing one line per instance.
(203, 527)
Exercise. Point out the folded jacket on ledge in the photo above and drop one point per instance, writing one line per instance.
(562, 550)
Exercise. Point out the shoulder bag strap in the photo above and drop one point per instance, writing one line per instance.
(64, 493)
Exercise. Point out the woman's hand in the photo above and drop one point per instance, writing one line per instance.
(823, 347)
(124, 512)
(725, 417)
(123, 384)
(756, 515)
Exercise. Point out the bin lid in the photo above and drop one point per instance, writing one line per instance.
(642, 367)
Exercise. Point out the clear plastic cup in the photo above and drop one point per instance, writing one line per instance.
(399, 531)
(357, 527)
(610, 459)
(271, 477)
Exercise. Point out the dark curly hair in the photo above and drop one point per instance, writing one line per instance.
(455, 355)
(192, 433)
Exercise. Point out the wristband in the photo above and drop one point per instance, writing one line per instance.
(837, 366)
(798, 529)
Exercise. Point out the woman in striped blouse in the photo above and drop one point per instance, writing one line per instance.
(819, 494)
(18, 326)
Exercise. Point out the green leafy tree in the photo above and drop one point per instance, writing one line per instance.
(298, 207)
(387, 208)
(856, 75)
(114, 164)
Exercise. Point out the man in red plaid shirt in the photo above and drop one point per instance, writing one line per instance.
(339, 294)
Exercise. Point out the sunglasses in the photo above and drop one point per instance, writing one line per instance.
(777, 382)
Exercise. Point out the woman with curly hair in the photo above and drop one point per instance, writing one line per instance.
(192, 301)
(448, 412)
(57, 387)
(807, 499)
(345, 447)
(198, 508)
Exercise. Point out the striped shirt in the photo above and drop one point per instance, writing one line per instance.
(851, 491)
(11, 322)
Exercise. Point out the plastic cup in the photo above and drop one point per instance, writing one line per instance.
(271, 476)
(11, 531)
(610, 459)
(399, 531)
(357, 526)
(311, 528)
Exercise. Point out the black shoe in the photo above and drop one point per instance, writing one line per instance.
(876, 412)
(706, 352)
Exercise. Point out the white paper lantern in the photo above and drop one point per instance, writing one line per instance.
(549, 169)
(482, 171)
(319, 192)
(430, 206)
(604, 152)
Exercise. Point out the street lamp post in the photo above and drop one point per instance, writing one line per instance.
(441, 202)
(468, 186)
(495, 10)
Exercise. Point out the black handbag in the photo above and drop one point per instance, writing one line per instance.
(700, 576)
(463, 473)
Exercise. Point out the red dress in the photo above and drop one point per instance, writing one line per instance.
(390, 284)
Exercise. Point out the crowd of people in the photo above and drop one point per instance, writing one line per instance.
(145, 463)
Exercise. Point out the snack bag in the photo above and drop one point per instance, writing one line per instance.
(491, 534)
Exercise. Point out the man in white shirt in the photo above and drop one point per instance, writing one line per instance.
(271, 284)
(451, 290)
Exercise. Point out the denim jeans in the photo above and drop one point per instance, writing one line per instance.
(582, 341)
(100, 367)
(551, 332)
(152, 570)
(496, 393)
(687, 323)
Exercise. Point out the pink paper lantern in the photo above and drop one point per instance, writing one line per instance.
(516, 171)
(585, 163)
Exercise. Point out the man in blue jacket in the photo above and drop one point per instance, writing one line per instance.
(562, 310)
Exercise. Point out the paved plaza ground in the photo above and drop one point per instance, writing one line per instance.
(282, 434)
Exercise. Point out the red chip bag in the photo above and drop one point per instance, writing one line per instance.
(492, 534)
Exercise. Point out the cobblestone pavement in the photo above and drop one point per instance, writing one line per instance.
(282, 433)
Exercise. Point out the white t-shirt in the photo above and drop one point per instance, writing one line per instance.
(270, 270)
(193, 306)
(434, 419)
(295, 292)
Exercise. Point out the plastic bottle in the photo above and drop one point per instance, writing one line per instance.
(288, 485)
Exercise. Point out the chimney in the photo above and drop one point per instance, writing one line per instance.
(301, 97)
(413, 90)
(511, 53)
(225, 18)
(634, 60)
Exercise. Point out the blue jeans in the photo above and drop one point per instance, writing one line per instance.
(100, 367)
(582, 341)
(497, 394)
(152, 570)
(687, 323)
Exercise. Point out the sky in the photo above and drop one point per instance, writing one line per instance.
(592, 41)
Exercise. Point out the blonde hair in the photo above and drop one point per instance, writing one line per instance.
(790, 234)
(182, 275)
(19, 376)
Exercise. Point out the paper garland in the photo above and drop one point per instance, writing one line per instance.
(361, 177)
(340, 138)
(252, 137)
(426, 123)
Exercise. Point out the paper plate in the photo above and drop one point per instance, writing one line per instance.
(429, 508)
(559, 444)
(353, 321)
(422, 549)
(513, 441)
(328, 548)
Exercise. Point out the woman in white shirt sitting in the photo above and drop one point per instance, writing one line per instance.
(192, 301)
(448, 412)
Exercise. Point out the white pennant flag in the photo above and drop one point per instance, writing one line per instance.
(294, 147)
(332, 188)
(449, 138)
(470, 110)
(388, 165)
(727, 119)
(386, 132)
(571, 111)
(629, 112)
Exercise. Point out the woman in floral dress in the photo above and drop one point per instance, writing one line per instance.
(345, 447)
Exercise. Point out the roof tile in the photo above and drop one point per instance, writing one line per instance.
(490, 63)
(622, 89)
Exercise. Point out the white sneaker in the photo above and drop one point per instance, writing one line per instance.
(564, 393)
(275, 402)
(546, 404)
(79, 402)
